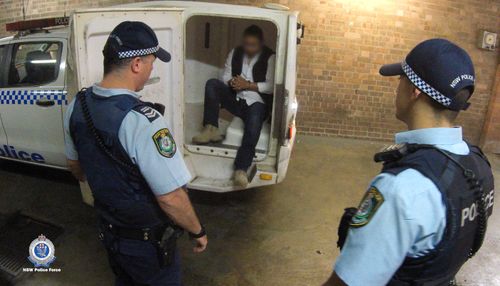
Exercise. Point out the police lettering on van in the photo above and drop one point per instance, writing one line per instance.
(11, 152)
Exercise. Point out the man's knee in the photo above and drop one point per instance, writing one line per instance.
(257, 114)
(213, 83)
(211, 89)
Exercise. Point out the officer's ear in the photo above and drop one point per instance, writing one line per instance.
(135, 65)
(416, 93)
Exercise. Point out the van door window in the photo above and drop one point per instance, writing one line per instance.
(34, 64)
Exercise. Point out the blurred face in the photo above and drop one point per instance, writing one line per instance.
(251, 45)
(404, 101)
(142, 67)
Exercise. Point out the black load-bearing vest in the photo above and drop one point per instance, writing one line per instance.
(467, 188)
(122, 195)
(259, 70)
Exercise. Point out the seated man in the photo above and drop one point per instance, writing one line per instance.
(245, 91)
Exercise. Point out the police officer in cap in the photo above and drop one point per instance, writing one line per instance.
(425, 214)
(125, 150)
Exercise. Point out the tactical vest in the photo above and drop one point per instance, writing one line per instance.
(464, 227)
(259, 70)
(122, 196)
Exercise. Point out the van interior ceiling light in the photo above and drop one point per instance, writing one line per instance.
(36, 24)
(43, 61)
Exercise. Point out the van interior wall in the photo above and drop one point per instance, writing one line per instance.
(204, 62)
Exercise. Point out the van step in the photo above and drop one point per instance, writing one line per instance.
(221, 150)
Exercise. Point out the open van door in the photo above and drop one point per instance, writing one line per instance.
(289, 100)
(90, 30)
(3, 56)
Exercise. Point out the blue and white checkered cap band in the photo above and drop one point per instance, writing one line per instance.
(29, 97)
(138, 53)
(423, 86)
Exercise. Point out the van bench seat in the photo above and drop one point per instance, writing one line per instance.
(234, 134)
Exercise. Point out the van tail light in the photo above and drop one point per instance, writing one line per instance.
(266, 177)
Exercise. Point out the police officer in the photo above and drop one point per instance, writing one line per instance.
(126, 152)
(425, 215)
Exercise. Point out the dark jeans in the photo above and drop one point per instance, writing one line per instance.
(217, 95)
(136, 263)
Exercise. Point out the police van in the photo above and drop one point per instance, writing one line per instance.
(49, 60)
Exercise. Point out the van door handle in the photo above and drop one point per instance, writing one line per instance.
(45, 102)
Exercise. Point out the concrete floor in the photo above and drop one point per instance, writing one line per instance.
(278, 235)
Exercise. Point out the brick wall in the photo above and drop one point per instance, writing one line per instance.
(340, 92)
(490, 139)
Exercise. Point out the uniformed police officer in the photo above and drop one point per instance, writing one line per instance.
(125, 149)
(426, 213)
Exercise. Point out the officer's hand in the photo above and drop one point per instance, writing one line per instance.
(76, 170)
(201, 244)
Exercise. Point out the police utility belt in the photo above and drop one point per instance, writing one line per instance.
(144, 234)
(164, 238)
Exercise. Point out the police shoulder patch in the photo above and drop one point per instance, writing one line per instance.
(370, 203)
(148, 112)
(165, 143)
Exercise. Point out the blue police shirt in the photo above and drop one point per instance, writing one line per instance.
(163, 174)
(410, 221)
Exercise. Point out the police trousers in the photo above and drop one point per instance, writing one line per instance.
(137, 263)
(217, 95)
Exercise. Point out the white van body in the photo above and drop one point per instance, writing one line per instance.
(199, 36)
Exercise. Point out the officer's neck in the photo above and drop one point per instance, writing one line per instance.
(113, 81)
(421, 121)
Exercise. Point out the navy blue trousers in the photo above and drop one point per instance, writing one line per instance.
(219, 95)
(136, 263)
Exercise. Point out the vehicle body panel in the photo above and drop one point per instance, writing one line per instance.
(39, 129)
(35, 133)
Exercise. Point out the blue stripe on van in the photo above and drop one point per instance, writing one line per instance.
(29, 97)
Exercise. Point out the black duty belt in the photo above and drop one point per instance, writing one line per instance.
(144, 234)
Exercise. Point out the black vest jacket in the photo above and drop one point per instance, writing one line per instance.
(122, 197)
(462, 236)
(259, 70)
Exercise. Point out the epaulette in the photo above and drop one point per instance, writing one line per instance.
(395, 152)
(148, 112)
(392, 153)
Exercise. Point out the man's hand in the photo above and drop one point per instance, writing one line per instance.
(201, 244)
(239, 83)
(76, 170)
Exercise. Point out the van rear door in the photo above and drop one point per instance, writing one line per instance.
(90, 30)
(287, 130)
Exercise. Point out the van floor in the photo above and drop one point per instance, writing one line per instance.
(278, 235)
